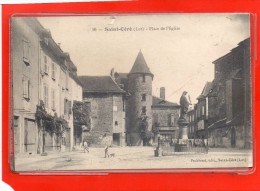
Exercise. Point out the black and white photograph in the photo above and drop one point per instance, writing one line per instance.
(131, 92)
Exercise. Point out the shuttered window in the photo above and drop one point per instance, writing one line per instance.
(53, 96)
(26, 88)
(46, 95)
(26, 52)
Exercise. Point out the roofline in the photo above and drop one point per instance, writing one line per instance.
(104, 92)
(140, 73)
(178, 106)
(229, 54)
(222, 57)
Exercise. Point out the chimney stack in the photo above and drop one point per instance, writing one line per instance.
(112, 73)
(162, 93)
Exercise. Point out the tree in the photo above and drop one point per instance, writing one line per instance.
(81, 118)
(155, 128)
(48, 124)
(145, 133)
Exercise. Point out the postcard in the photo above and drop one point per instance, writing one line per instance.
(131, 92)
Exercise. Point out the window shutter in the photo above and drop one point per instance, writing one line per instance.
(29, 89)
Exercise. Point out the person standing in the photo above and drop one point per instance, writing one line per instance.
(85, 146)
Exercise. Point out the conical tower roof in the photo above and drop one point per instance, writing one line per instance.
(140, 66)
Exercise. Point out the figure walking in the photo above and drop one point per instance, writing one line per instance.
(106, 152)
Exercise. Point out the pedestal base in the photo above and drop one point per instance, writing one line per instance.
(183, 128)
(44, 154)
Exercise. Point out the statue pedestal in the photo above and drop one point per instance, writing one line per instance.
(183, 142)
(183, 128)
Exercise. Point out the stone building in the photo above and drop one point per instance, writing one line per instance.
(140, 100)
(230, 104)
(202, 112)
(107, 110)
(144, 108)
(192, 127)
(165, 115)
(49, 77)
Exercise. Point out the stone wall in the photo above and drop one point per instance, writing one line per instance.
(119, 117)
(107, 117)
(137, 87)
(165, 117)
(222, 137)
(101, 114)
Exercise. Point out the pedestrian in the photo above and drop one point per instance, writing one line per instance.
(85, 146)
(106, 151)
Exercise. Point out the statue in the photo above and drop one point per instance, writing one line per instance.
(185, 103)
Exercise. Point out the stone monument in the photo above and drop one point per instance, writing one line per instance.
(183, 123)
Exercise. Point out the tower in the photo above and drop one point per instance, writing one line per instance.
(139, 105)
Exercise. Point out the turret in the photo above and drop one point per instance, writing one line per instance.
(140, 101)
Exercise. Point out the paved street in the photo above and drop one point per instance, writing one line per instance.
(132, 158)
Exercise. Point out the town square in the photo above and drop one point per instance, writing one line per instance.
(147, 92)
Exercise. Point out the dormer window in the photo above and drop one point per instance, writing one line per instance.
(46, 40)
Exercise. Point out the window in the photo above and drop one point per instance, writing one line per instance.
(202, 110)
(114, 108)
(143, 78)
(26, 88)
(143, 110)
(123, 103)
(26, 52)
(116, 123)
(67, 81)
(53, 71)
(67, 107)
(53, 99)
(143, 97)
(45, 95)
(45, 62)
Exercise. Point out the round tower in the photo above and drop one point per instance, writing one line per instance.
(139, 104)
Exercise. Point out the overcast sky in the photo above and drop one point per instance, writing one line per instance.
(179, 59)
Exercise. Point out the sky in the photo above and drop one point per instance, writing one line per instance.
(179, 54)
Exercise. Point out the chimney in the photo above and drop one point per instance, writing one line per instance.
(162, 93)
(112, 73)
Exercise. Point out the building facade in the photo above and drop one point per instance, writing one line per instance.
(107, 110)
(139, 103)
(49, 78)
(230, 104)
(146, 115)
(202, 112)
(165, 117)
(25, 84)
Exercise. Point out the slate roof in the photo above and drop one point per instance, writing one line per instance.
(99, 84)
(140, 65)
(206, 90)
(158, 102)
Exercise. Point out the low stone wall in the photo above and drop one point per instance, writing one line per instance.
(227, 137)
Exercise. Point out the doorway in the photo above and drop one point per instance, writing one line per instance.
(116, 139)
(29, 136)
